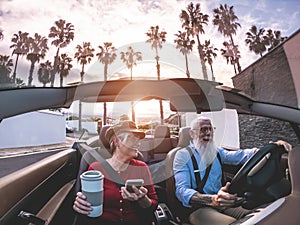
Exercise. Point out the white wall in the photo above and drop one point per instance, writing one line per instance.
(33, 129)
(90, 126)
(227, 127)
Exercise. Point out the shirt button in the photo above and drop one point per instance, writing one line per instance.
(121, 201)
(121, 209)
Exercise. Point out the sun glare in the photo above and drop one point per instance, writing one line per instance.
(146, 108)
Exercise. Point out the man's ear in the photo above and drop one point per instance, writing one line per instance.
(191, 133)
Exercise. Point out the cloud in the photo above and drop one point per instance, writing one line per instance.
(123, 22)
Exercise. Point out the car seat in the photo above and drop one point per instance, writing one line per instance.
(174, 204)
(163, 142)
(90, 155)
(288, 213)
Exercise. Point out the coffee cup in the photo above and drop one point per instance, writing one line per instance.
(92, 188)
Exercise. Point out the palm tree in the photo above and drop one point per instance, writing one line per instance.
(156, 39)
(5, 69)
(231, 53)
(209, 54)
(20, 46)
(256, 40)
(194, 20)
(37, 50)
(63, 34)
(106, 56)
(1, 34)
(84, 56)
(64, 67)
(44, 72)
(274, 38)
(129, 58)
(225, 19)
(185, 46)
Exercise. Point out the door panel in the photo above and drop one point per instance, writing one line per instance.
(30, 188)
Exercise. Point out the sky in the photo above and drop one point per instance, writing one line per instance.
(125, 22)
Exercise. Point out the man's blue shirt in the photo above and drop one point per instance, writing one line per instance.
(184, 171)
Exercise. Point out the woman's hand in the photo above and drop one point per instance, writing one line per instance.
(81, 205)
(138, 194)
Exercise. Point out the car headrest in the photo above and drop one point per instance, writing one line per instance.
(294, 167)
(103, 141)
(184, 137)
(162, 131)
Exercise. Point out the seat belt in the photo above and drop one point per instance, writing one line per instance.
(201, 183)
(112, 173)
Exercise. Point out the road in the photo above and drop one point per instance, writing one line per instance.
(17, 158)
(15, 162)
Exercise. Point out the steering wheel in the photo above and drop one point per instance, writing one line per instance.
(257, 175)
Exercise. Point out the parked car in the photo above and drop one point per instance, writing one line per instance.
(43, 193)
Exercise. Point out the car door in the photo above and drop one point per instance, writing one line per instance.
(40, 192)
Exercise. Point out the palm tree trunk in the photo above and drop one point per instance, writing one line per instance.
(237, 59)
(30, 77)
(212, 73)
(104, 103)
(161, 112)
(15, 69)
(158, 78)
(54, 71)
(61, 80)
(104, 113)
(132, 112)
(187, 66)
(80, 103)
(200, 51)
(132, 103)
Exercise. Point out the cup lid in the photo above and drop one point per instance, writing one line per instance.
(91, 175)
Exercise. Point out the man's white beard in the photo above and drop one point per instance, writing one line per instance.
(207, 153)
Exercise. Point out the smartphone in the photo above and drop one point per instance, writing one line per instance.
(136, 182)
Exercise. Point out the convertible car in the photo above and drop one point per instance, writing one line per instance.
(43, 192)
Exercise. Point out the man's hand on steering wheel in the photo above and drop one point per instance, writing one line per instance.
(287, 146)
(225, 199)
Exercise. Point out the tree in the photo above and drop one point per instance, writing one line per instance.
(37, 50)
(156, 39)
(64, 67)
(194, 20)
(44, 72)
(256, 40)
(106, 56)
(20, 46)
(129, 58)
(84, 56)
(274, 38)
(1, 34)
(63, 34)
(225, 19)
(209, 54)
(231, 53)
(185, 46)
(5, 69)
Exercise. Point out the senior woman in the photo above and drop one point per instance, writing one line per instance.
(121, 207)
